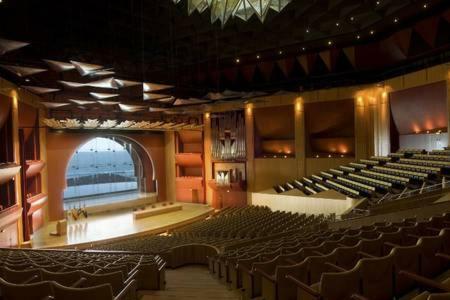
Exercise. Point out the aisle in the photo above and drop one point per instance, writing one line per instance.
(191, 282)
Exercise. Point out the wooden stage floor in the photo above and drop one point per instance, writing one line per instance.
(115, 225)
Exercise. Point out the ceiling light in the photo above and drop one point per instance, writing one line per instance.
(378, 2)
(425, 5)
(395, 20)
(352, 18)
(243, 9)
(330, 42)
(303, 48)
(307, 30)
(258, 57)
(358, 37)
(372, 32)
(337, 24)
(280, 52)
(238, 60)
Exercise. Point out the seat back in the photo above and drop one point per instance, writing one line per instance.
(100, 292)
(18, 277)
(339, 286)
(115, 279)
(64, 278)
(377, 277)
(317, 265)
(431, 265)
(405, 259)
(347, 257)
(373, 247)
(33, 291)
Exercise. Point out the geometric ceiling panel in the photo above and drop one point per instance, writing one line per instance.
(59, 66)
(40, 90)
(55, 104)
(85, 68)
(82, 102)
(132, 108)
(150, 96)
(151, 87)
(108, 102)
(22, 71)
(9, 45)
(103, 95)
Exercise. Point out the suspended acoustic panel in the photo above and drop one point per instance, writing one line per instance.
(150, 96)
(132, 108)
(22, 71)
(244, 9)
(85, 68)
(59, 66)
(151, 87)
(106, 102)
(54, 104)
(40, 90)
(103, 95)
(82, 102)
(9, 45)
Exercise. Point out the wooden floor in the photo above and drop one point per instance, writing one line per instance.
(191, 282)
(115, 225)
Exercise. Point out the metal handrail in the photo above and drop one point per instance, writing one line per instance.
(419, 191)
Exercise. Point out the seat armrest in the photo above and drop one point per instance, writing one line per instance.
(162, 266)
(303, 286)
(366, 255)
(30, 280)
(391, 244)
(335, 267)
(241, 266)
(129, 287)
(266, 275)
(131, 277)
(358, 297)
(443, 255)
(79, 282)
(424, 281)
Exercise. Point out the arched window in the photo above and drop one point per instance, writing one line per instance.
(101, 171)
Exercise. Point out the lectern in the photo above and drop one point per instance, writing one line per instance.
(228, 195)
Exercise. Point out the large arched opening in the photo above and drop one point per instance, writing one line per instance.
(108, 169)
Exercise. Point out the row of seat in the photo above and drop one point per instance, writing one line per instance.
(373, 178)
(228, 227)
(36, 274)
(379, 262)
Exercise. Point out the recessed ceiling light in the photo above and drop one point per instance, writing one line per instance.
(238, 60)
(378, 2)
(280, 52)
(425, 5)
(352, 18)
(26, 79)
(337, 24)
(303, 48)
(330, 42)
(372, 31)
(358, 37)
(395, 20)
(258, 57)
(307, 30)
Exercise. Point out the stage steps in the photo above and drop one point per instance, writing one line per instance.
(191, 282)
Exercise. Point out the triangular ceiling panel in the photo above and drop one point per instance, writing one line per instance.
(286, 65)
(9, 45)
(248, 72)
(103, 95)
(326, 58)
(266, 68)
(22, 71)
(40, 90)
(85, 68)
(59, 66)
(303, 61)
(427, 29)
(350, 54)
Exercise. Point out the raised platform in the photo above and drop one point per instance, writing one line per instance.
(117, 225)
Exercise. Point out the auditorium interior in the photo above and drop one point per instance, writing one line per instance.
(225, 149)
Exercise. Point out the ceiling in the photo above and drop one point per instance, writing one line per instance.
(157, 41)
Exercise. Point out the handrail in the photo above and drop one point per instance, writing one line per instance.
(419, 191)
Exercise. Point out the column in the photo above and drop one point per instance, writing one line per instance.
(250, 147)
(360, 128)
(207, 156)
(300, 142)
(169, 150)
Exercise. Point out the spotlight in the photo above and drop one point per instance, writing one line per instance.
(238, 60)
(372, 32)
(258, 57)
(395, 20)
(330, 43)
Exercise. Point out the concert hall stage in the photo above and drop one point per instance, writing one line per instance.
(116, 225)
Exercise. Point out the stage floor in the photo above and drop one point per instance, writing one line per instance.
(114, 226)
